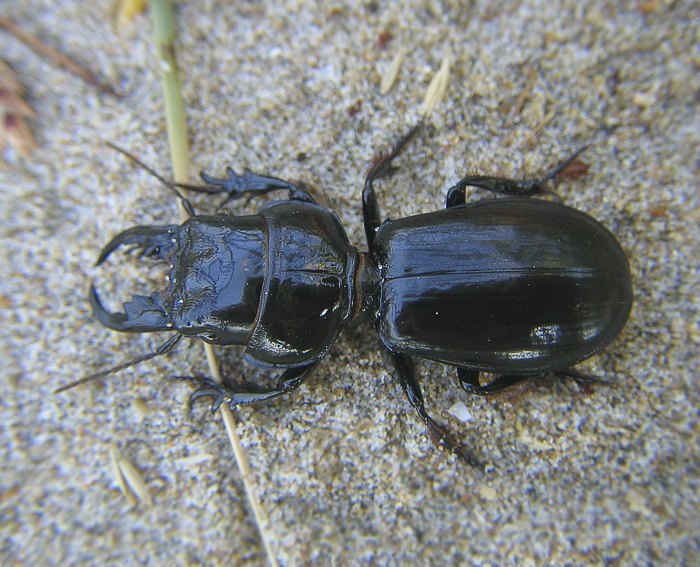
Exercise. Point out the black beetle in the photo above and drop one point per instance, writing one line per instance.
(515, 286)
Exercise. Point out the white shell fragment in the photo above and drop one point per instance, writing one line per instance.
(460, 411)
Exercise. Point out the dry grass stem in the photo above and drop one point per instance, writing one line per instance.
(56, 56)
(164, 28)
(14, 129)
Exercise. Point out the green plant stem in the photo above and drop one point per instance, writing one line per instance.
(164, 30)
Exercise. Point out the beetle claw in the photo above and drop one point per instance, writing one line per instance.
(141, 315)
(211, 389)
(155, 242)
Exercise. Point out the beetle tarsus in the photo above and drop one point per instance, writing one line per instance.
(383, 167)
(583, 381)
(219, 397)
(445, 440)
(456, 195)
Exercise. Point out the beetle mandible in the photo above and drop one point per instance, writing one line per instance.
(515, 286)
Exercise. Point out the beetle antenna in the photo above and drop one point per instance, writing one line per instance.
(169, 184)
(563, 165)
(161, 350)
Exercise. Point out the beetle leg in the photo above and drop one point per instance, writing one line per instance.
(505, 186)
(583, 381)
(236, 186)
(371, 213)
(469, 380)
(456, 196)
(235, 395)
(524, 187)
(440, 434)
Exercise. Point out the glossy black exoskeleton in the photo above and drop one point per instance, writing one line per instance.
(514, 286)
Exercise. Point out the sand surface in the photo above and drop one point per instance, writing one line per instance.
(343, 467)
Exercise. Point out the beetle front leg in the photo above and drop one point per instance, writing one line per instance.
(235, 395)
(440, 434)
(519, 187)
(236, 186)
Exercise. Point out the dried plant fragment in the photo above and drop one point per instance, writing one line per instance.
(127, 10)
(56, 56)
(119, 476)
(135, 480)
(575, 170)
(658, 211)
(355, 107)
(392, 72)
(384, 37)
(522, 97)
(531, 138)
(129, 479)
(194, 460)
(648, 7)
(140, 406)
(14, 129)
(437, 87)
